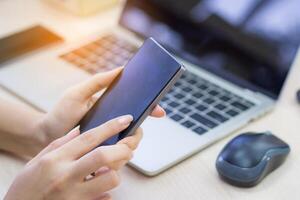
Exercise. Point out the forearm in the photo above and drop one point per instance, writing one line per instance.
(19, 128)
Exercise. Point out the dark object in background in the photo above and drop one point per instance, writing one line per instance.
(298, 96)
(26, 41)
(249, 157)
(251, 44)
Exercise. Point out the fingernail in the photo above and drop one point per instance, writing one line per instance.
(125, 120)
(118, 68)
(74, 131)
(164, 113)
(103, 170)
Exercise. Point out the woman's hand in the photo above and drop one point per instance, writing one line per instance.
(75, 103)
(62, 170)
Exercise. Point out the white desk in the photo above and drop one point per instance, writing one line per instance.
(195, 178)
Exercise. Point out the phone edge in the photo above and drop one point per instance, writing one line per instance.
(164, 91)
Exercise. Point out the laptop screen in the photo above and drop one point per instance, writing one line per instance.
(252, 43)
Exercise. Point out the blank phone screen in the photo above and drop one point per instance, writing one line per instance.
(133, 91)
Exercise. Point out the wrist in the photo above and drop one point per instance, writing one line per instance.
(40, 132)
(26, 140)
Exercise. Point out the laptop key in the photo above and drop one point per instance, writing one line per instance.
(168, 111)
(217, 116)
(171, 90)
(177, 84)
(209, 100)
(173, 104)
(100, 51)
(213, 92)
(188, 124)
(232, 113)
(225, 98)
(92, 58)
(203, 120)
(201, 107)
(190, 102)
(178, 96)
(176, 117)
(187, 89)
(164, 99)
(202, 87)
(197, 95)
(185, 110)
(192, 81)
(220, 106)
(200, 130)
(239, 105)
(108, 56)
(183, 76)
(91, 47)
(81, 53)
(69, 57)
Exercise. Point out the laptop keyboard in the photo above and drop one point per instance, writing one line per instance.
(201, 105)
(193, 102)
(104, 54)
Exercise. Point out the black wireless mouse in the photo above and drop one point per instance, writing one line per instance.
(249, 157)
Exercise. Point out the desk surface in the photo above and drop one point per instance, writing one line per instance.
(195, 178)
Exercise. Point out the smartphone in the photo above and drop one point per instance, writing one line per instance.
(145, 79)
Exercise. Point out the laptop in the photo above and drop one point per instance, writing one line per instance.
(237, 59)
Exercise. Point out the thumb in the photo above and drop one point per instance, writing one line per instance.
(93, 85)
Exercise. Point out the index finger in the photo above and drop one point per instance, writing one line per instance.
(158, 111)
(93, 138)
(101, 156)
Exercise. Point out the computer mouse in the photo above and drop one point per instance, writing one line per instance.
(249, 157)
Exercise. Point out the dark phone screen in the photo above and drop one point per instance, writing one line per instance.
(141, 81)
